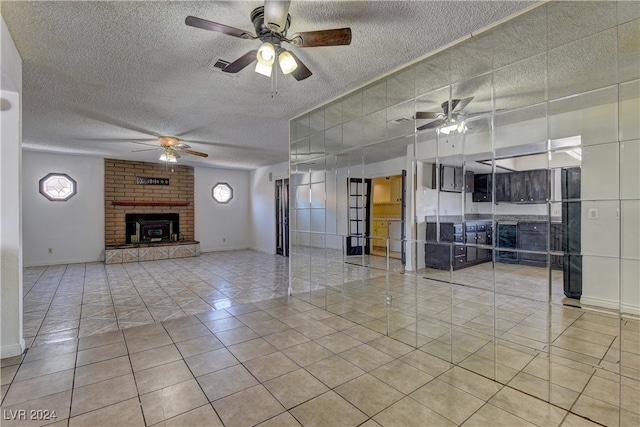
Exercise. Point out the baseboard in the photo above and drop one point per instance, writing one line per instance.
(266, 251)
(630, 309)
(226, 248)
(62, 261)
(599, 302)
(12, 350)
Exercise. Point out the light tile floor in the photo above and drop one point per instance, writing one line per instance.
(283, 361)
(76, 300)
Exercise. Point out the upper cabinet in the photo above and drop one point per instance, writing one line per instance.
(395, 193)
(527, 187)
(451, 179)
(513, 187)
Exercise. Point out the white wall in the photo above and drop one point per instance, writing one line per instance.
(263, 206)
(219, 226)
(11, 341)
(73, 229)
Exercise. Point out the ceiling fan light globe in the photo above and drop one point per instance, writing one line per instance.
(263, 69)
(266, 54)
(168, 157)
(287, 62)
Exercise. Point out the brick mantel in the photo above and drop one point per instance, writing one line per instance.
(123, 196)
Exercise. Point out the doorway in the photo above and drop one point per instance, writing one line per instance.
(359, 213)
(388, 216)
(282, 217)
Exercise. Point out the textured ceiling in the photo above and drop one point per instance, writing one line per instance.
(98, 75)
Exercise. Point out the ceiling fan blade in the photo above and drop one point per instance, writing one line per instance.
(146, 149)
(302, 72)
(195, 153)
(459, 104)
(432, 125)
(193, 21)
(275, 14)
(182, 145)
(241, 62)
(143, 143)
(428, 115)
(335, 37)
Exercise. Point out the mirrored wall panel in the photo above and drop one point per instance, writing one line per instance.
(482, 205)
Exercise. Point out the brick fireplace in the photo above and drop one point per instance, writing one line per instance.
(147, 190)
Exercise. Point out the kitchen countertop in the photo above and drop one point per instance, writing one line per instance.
(496, 218)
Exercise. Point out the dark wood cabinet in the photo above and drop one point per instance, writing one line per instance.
(451, 179)
(508, 239)
(437, 250)
(458, 244)
(469, 182)
(512, 187)
(482, 187)
(529, 186)
(503, 187)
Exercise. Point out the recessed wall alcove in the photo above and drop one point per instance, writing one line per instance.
(149, 189)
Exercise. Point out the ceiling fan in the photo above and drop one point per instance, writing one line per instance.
(448, 119)
(271, 23)
(171, 148)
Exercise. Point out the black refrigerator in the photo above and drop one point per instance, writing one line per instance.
(571, 228)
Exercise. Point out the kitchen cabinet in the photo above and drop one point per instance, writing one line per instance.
(469, 182)
(482, 187)
(395, 192)
(570, 183)
(508, 239)
(379, 233)
(456, 247)
(437, 250)
(530, 186)
(451, 179)
(395, 235)
(555, 245)
(478, 234)
(503, 187)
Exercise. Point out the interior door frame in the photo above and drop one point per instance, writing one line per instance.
(358, 216)
(282, 216)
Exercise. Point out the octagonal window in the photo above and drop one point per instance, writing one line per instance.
(58, 187)
(222, 192)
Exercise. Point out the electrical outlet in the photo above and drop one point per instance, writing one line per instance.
(50, 250)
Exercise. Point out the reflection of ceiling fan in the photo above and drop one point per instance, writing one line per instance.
(171, 148)
(448, 119)
(271, 23)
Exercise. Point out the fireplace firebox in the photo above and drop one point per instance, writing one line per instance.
(152, 228)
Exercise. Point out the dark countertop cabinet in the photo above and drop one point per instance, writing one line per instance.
(508, 239)
(459, 244)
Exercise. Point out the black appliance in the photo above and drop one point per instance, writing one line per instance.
(571, 229)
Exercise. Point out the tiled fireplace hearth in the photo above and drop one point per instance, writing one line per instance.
(151, 252)
(148, 212)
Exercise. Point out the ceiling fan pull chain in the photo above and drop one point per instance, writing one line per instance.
(274, 81)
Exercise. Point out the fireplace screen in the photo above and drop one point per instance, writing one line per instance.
(152, 228)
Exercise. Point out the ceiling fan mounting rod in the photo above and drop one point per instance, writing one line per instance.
(263, 30)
